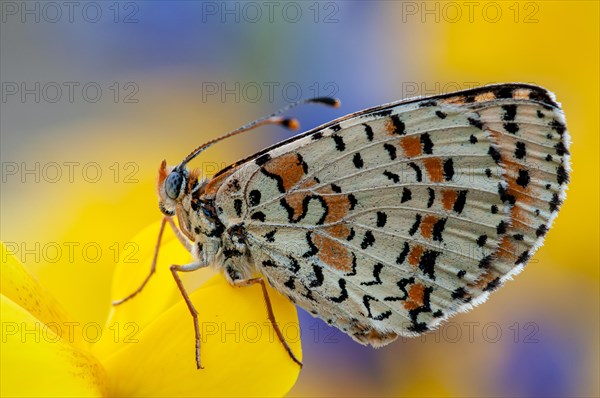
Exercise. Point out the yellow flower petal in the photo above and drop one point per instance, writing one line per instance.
(35, 361)
(23, 289)
(240, 353)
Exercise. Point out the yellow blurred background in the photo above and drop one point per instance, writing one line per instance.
(78, 172)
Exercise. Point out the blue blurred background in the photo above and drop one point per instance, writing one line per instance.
(116, 87)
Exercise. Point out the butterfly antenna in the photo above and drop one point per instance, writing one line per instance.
(290, 123)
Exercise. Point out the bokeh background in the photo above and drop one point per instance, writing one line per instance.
(96, 94)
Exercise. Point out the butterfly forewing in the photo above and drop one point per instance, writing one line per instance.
(387, 221)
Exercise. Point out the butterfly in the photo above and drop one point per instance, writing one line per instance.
(384, 222)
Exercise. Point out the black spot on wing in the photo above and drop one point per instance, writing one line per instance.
(237, 206)
(343, 294)
(485, 262)
(561, 175)
(381, 219)
(541, 230)
(493, 152)
(391, 150)
(503, 92)
(511, 127)
(481, 240)
(278, 179)
(384, 315)
(269, 263)
(501, 228)
(317, 276)
(438, 229)
(417, 169)
(557, 126)
(392, 176)
(520, 150)
(475, 123)
(415, 225)
(368, 240)
(294, 266)
(461, 294)
(340, 145)
(399, 127)
(523, 179)
(270, 236)
(352, 200)
(431, 198)
(510, 111)
(448, 169)
(259, 215)
(461, 199)
(523, 258)
(368, 131)
(358, 161)
(402, 283)
(403, 253)
(406, 195)
(492, 285)
(290, 283)
(427, 263)
(382, 113)
(254, 197)
(376, 274)
(426, 143)
(317, 136)
(353, 269)
(312, 248)
(261, 160)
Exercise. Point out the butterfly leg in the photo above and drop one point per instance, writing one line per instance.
(181, 238)
(253, 281)
(189, 268)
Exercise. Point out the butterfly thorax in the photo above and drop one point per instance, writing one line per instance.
(187, 199)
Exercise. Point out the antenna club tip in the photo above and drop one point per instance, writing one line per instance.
(291, 123)
(333, 102)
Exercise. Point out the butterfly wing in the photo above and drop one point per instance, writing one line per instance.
(390, 220)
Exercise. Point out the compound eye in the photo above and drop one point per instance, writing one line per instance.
(173, 184)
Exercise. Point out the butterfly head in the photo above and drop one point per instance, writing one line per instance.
(173, 184)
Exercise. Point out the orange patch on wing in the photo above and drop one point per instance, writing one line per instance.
(521, 94)
(427, 226)
(457, 100)
(506, 250)
(488, 96)
(213, 185)
(449, 197)
(288, 167)
(411, 146)
(333, 253)
(416, 296)
(296, 199)
(338, 231)
(415, 255)
(485, 279)
(434, 169)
